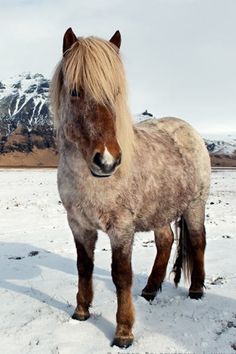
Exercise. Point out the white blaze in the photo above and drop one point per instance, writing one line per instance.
(107, 158)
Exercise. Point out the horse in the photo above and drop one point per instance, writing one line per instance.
(121, 177)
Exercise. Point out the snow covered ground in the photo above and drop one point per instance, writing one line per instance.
(38, 279)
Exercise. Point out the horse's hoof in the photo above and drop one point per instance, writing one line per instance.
(196, 295)
(123, 342)
(148, 296)
(80, 316)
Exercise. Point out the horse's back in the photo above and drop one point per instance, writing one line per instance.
(189, 142)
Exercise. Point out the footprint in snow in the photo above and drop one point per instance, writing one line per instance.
(30, 254)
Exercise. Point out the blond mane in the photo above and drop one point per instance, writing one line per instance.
(95, 65)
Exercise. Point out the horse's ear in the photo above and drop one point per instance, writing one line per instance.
(116, 39)
(68, 40)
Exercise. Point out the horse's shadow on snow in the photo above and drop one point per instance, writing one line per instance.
(20, 261)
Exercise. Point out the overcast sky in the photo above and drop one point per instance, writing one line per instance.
(179, 55)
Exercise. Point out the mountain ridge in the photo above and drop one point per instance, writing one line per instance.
(26, 127)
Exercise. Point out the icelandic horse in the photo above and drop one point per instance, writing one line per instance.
(121, 177)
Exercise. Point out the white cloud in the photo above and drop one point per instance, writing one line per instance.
(179, 54)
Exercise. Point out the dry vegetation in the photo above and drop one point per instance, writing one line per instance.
(36, 158)
(49, 158)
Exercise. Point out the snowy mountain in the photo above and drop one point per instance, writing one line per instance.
(221, 147)
(25, 121)
(24, 99)
(26, 124)
(222, 150)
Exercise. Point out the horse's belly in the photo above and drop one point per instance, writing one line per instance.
(162, 207)
(154, 221)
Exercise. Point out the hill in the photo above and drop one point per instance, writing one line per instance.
(27, 137)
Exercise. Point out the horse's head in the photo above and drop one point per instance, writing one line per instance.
(91, 75)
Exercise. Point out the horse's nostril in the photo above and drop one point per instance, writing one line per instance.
(97, 159)
(118, 161)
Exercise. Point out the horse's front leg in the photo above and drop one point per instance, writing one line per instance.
(122, 278)
(85, 243)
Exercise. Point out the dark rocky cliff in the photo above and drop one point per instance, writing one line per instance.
(25, 119)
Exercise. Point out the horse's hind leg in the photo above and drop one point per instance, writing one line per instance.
(85, 243)
(164, 239)
(194, 218)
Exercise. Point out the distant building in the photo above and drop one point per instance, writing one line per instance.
(146, 113)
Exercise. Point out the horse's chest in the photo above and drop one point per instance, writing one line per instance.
(82, 204)
(86, 214)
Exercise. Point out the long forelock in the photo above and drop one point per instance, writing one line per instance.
(95, 66)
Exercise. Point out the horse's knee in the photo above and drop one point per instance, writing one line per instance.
(164, 237)
(84, 261)
(198, 239)
(121, 271)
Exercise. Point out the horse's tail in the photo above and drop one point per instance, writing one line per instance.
(184, 254)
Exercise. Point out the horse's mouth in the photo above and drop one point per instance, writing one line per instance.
(99, 176)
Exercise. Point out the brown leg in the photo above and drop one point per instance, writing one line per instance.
(194, 218)
(85, 243)
(164, 239)
(198, 244)
(122, 277)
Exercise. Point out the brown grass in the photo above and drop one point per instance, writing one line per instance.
(49, 158)
(36, 158)
(223, 161)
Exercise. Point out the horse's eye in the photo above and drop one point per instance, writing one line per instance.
(75, 93)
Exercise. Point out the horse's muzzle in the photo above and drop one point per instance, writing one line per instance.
(99, 168)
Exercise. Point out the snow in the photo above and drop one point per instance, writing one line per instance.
(20, 79)
(143, 116)
(38, 279)
(222, 147)
(221, 144)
